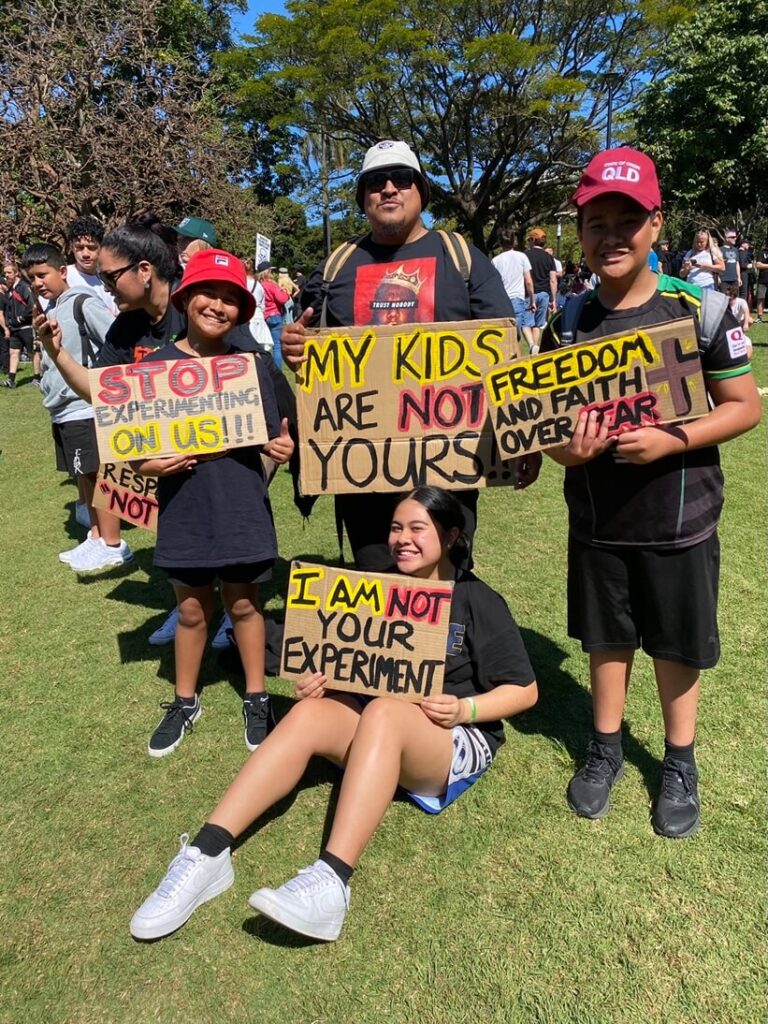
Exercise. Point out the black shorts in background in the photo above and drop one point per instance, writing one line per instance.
(203, 576)
(662, 600)
(22, 337)
(76, 449)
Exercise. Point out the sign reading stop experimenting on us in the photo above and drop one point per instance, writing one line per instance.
(188, 406)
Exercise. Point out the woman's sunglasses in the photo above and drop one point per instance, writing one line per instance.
(109, 278)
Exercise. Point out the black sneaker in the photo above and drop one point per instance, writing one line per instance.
(175, 723)
(8, 383)
(258, 718)
(677, 811)
(589, 790)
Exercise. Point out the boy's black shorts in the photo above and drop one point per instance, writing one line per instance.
(250, 572)
(22, 337)
(76, 449)
(664, 601)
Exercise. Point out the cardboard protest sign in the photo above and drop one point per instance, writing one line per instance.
(127, 495)
(386, 408)
(191, 406)
(369, 633)
(647, 377)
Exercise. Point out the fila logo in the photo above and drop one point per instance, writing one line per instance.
(621, 172)
(221, 261)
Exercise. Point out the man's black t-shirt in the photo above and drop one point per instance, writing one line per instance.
(19, 303)
(218, 513)
(761, 256)
(413, 283)
(731, 259)
(674, 502)
(485, 648)
(542, 265)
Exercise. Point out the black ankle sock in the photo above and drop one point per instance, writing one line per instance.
(685, 753)
(37, 377)
(256, 695)
(610, 739)
(188, 701)
(213, 840)
(12, 378)
(342, 869)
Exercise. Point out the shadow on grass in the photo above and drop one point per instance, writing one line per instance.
(564, 710)
(275, 935)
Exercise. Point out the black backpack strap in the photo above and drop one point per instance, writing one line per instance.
(333, 265)
(458, 250)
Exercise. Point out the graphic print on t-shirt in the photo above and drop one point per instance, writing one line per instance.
(396, 293)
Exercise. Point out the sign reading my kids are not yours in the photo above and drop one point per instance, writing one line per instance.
(368, 633)
(386, 408)
(187, 406)
(646, 378)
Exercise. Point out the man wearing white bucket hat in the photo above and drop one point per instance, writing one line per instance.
(401, 272)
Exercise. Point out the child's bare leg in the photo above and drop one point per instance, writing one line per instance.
(241, 600)
(324, 726)
(395, 743)
(609, 678)
(679, 688)
(196, 606)
(103, 524)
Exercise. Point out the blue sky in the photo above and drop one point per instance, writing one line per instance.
(245, 22)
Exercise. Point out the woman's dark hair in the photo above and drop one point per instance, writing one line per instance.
(84, 227)
(137, 241)
(447, 513)
(43, 253)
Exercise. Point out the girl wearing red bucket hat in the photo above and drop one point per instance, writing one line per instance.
(215, 520)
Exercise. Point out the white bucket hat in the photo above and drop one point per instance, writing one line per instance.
(392, 154)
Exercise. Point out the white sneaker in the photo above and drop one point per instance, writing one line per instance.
(67, 556)
(314, 903)
(192, 878)
(100, 555)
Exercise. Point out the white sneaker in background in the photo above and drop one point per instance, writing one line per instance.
(314, 903)
(100, 555)
(67, 556)
(192, 878)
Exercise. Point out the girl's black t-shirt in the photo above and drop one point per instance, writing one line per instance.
(218, 513)
(485, 648)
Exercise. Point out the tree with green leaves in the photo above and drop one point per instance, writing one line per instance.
(503, 101)
(118, 113)
(704, 119)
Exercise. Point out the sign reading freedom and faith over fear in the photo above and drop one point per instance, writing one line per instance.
(386, 408)
(369, 633)
(186, 406)
(648, 377)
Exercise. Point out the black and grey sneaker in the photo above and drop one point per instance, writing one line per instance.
(258, 718)
(175, 723)
(677, 811)
(589, 791)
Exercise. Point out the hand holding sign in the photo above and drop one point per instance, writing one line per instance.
(292, 340)
(165, 467)
(309, 686)
(649, 444)
(445, 710)
(280, 448)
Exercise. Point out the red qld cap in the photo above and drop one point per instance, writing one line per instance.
(621, 170)
(217, 265)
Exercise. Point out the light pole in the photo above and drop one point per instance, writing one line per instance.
(611, 80)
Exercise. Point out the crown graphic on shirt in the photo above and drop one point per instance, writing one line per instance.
(402, 279)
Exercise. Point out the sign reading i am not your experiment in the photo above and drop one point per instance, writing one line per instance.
(186, 406)
(645, 378)
(385, 408)
(370, 633)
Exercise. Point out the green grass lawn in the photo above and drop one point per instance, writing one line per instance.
(506, 908)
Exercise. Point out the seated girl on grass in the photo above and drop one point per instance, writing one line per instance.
(434, 750)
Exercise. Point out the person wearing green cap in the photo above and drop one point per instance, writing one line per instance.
(195, 235)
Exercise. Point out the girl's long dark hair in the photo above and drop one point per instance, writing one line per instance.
(145, 238)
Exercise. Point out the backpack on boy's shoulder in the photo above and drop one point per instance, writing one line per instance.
(708, 307)
(90, 346)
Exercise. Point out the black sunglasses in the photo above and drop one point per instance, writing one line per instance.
(401, 178)
(111, 277)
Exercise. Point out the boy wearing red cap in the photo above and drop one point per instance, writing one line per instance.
(643, 556)
(214, 518)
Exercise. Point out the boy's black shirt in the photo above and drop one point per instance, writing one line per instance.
(761, 256)
(542, 265)
(673, 502)
(218, 513)
(731, 260)
(485, 648)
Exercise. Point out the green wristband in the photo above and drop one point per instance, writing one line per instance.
(472, 709)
